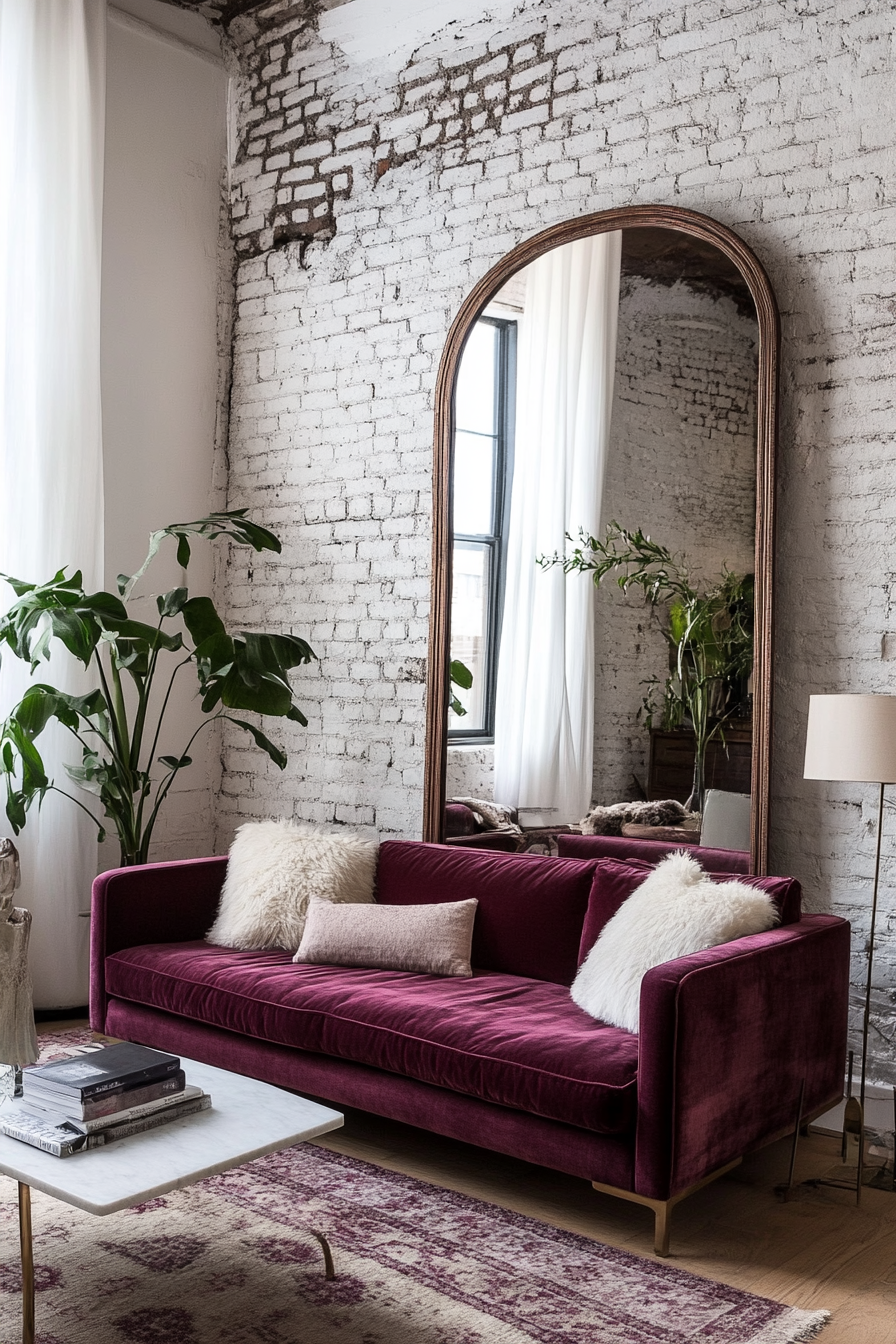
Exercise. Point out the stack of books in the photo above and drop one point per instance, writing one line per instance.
(99, 1097)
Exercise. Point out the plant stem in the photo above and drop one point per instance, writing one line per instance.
(119, 748)
(152, 751)
(54, 788)
(165, 785)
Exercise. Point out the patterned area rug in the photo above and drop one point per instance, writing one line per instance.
(232, 1261)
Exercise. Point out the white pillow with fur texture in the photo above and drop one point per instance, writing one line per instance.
(675, 911)
(274, 869)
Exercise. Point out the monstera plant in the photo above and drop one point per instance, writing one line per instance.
(709, 632)
(116, 727)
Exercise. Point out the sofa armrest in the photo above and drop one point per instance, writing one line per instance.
(727, 1037)
(150, 903)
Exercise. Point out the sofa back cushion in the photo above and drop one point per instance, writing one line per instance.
(615, 881)
(649, 851)
(531, 908)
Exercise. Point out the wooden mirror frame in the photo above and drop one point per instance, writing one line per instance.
(736, 250)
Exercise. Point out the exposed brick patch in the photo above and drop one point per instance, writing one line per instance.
(290, 116)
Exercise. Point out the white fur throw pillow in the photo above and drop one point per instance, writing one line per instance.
(274, 869)
(675, 911)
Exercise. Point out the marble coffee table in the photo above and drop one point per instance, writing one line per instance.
(248, 1119)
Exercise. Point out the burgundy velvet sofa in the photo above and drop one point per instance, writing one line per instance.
(649, 851)
(505, 1060)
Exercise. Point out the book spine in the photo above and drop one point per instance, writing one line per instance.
(166, 1117)
(108, 1104)
(135, 1078)
(56, 1147)
(136, 1112)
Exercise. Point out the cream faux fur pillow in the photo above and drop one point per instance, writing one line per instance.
(675, 911)
(274, 869)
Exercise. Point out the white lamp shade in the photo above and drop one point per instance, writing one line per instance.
(851, 737)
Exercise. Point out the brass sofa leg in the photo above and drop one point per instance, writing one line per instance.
(662, 1227)
(662, 1208)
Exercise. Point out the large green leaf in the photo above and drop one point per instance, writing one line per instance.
(211, 697)
(273, 653)
(275, 753)
(460, 674)
(176, 762)
(133, 656)
(38, 705)
(90, 706)
(232, 523)
(170, 604)
(149, 634)
(18, 587)
(59, 609)
(78, 633)
(201, 619)
(269, 695)
(214, 657)
(16, 806)
(105, 605)
(30, 764)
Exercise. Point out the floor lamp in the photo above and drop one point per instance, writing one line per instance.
(853, 738)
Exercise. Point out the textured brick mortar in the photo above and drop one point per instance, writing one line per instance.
(365, 207)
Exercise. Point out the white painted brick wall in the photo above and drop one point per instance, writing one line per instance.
(776, 118)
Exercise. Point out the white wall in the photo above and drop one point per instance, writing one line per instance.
(165, 315)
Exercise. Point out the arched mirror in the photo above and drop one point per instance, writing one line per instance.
(603, 527)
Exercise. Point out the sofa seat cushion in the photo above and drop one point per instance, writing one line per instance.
(518, 1042)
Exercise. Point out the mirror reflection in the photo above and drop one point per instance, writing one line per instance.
(606, 402)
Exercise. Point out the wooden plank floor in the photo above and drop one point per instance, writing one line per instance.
(817, 1251)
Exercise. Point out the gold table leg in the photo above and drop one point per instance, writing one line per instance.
(27, 1263)
(329, 1269)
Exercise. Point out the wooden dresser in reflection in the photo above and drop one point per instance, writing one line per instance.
(670, 771)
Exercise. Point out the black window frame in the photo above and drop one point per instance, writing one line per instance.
(495, 541)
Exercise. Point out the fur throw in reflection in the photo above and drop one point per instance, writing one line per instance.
(675, 911)
(610, 820)
(491, 816)
(274, 869)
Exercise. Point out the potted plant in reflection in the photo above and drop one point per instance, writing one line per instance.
(709, 632)
(117, 726)
(459, 675)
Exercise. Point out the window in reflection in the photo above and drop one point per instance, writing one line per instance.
(483, 454)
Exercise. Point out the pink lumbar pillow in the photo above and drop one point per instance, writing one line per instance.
(429, 939)
(675, 911)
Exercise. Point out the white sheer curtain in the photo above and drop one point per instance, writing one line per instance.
(52, 105)
(544, 723)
